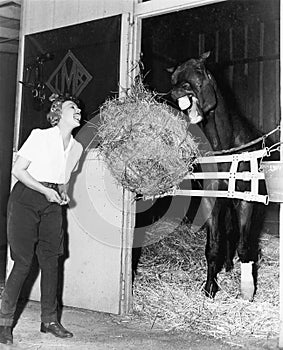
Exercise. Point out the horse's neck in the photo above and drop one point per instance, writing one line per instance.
(219, 126)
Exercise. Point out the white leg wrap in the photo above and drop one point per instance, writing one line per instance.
(247, 281)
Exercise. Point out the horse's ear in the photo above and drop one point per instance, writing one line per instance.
(170, 69)
(205, 55)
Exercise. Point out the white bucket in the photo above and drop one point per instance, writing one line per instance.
(273, 172)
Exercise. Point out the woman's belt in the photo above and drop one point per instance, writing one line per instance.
(50, 185)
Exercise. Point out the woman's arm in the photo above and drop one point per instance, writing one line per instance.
(20, 171)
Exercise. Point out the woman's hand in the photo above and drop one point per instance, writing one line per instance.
(52, 196)
(65, 199)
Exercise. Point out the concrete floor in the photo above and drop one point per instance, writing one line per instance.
(99, 331)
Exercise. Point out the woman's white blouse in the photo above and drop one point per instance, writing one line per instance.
(49, 161)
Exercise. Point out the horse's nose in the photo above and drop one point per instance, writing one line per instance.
(178, 92)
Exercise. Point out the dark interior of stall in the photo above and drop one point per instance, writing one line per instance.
(243, 39)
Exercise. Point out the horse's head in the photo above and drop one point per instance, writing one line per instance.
(194, 88)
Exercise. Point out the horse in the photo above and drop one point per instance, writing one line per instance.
(230, 223)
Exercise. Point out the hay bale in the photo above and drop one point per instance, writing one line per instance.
(146, 146)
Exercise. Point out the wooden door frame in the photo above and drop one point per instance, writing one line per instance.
(281, 204)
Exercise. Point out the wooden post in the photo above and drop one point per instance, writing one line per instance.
(281, 211)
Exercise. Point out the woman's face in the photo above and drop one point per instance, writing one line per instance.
(71, 114)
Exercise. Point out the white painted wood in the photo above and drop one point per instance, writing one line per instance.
(9, 2)
(129, 212)
(50, 14)
(39, 16)
(128, 197)
(245, 157)
(90, 9)
(93, 271)
(281, 254)
(281, 204)
(11, 12)
(243, 175)
(94, 9)
(157, 7)
(126, 78)
(246, 196)
(9, 33)
(20, 69)
(63, 7)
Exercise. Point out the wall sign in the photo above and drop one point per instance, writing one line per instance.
(70, 75)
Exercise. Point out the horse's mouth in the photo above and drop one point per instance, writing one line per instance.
(189, 105)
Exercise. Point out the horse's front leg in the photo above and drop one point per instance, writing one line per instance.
(245, 249)
(212, 250)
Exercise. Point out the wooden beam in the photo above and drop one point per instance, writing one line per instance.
(8, 48)
(11, 12)
(156, 7)
(10, 3)
(281, 205)
(9, 33)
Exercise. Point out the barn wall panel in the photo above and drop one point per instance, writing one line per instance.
(63, 7)
(44, 15)
(7, 110)
(239, 81)
(269, 76)
(249, 58)
(38, 15)
(253, 93)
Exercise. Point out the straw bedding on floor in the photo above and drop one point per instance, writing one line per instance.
(168, 289)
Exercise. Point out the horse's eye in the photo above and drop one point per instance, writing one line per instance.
(186, 85)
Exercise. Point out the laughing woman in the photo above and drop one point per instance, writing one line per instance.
(43, 168)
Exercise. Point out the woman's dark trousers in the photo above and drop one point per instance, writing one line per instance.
(34, 226)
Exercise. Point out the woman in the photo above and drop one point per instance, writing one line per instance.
(43, 168)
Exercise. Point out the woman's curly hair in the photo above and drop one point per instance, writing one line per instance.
(55, 113)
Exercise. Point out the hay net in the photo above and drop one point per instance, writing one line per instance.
(146, 146)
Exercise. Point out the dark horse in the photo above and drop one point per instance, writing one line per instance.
(229, 226)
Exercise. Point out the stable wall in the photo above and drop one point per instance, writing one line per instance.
(40, 15)
(8, 70)
(96, 274)
(43, 15)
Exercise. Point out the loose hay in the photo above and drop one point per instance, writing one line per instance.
(168, 291)
(146, 146)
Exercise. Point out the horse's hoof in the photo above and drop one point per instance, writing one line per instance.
(209, 295)
(211, 289)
